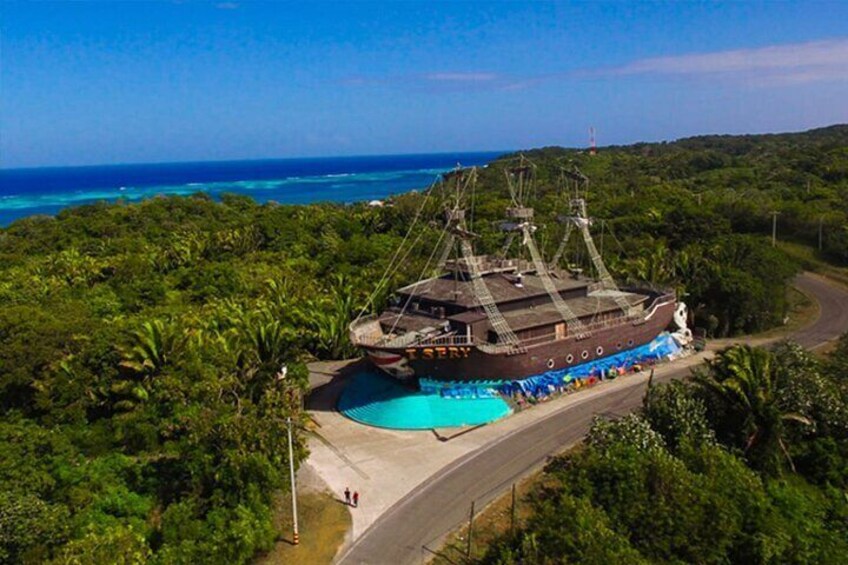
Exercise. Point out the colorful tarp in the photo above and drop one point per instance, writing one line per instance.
(378, 400)
(663, 346)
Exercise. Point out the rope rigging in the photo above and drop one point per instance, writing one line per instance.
(520, 181)
(456, 229)
(392, 267)
(580, 220)
(455, 235)
(575, 326)
(506, 337)
(446, 229)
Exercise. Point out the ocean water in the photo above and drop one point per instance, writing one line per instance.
(24, 192)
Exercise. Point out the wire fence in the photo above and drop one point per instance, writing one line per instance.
(497, 511)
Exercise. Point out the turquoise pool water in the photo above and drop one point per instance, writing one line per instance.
(377, 400)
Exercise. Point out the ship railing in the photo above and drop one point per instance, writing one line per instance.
(657, 302)
(368, 340)
(530, 341)
(412, 339)
(661, 297)
(603, 324)
(402, 340)
(366, 331)
(641, 287)
(589, 327)
(446, 340)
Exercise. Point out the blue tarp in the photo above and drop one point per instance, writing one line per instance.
(545, 383)
(460, 389)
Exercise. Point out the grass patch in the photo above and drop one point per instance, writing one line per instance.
(811, 260)
(802, 311)
(323, 523)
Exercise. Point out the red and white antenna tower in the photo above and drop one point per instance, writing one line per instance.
(592, 148)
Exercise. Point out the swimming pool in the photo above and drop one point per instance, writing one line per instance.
(378, 400)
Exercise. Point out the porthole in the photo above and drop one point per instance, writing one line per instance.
(569, 359)
(550, 363)
(584, 355)
(599, 350)
(629, 343)
(618, 345)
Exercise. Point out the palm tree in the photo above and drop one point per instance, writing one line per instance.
(743, 381)
(270, 341)
(655, 265)
(149, 350)
(151, 347)
(184, 248)
(328, 317)
(237, 241)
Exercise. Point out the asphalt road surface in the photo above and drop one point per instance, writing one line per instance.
(442, 502)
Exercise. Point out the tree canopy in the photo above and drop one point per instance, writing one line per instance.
(683, 482)
(140, 346)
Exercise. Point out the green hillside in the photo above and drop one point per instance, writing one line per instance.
(141, 415)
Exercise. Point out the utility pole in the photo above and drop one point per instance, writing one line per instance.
(470, 531)
(295, 534)
(512, 513)
(774, 215)
(647, 401)
(821, 221)
(281, 376)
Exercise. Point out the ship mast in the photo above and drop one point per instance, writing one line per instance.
(520, 180)
(580, 220)
(459, 233)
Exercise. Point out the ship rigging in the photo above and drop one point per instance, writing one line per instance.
(502, 316)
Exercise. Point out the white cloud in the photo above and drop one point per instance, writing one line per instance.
(440, 81)
(787, 64)
(462, 77)
(777, 65)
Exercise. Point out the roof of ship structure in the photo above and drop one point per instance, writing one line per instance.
(547, 314)
(502, 286)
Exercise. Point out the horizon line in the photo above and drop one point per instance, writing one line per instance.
(251, 160)
(410, 154)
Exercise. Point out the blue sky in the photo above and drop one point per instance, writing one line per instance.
(120, 82)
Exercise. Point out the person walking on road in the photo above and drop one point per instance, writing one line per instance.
(347, 495)
(355, 499)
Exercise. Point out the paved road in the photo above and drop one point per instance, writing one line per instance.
(833, 320)
(442, 502)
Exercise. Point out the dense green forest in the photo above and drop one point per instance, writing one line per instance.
(142, 412)
(746, 463)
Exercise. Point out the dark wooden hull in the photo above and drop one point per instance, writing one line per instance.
(469, 363)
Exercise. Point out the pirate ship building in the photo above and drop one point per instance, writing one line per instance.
(506, 317)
